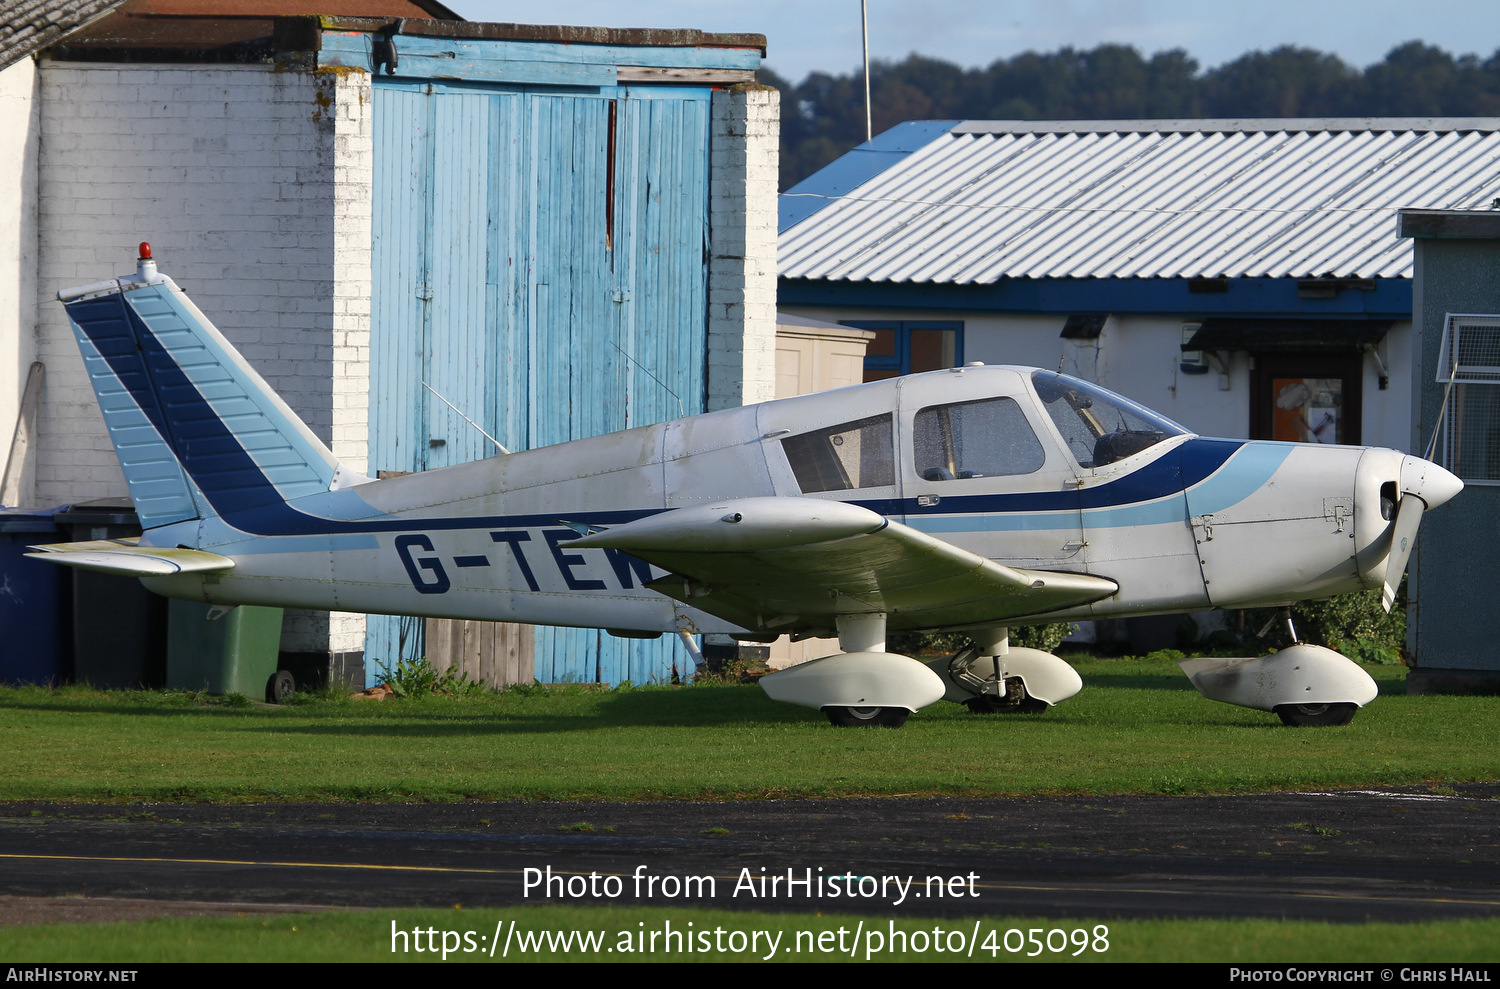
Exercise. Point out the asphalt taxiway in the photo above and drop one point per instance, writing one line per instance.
(1402, 853)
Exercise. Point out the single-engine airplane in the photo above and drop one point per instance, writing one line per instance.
(970, 499)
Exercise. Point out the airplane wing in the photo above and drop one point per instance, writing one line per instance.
(769, 563)
(127, 558)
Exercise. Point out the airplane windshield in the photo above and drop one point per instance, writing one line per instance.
(1099, 426)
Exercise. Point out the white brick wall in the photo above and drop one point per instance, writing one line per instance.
(742, 229)
(253, 186)
(18, 159)
(354, 179)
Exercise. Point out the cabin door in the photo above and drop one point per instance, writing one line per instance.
(981, 468)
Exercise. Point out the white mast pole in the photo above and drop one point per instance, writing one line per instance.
(864, 20)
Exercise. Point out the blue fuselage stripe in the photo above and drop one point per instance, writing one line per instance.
(1216, 474)
(245, 498)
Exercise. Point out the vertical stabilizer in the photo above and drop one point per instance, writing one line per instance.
(198, 432)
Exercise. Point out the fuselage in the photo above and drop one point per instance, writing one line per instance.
(1023, 467)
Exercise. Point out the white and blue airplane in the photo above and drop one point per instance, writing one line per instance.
(971, 499)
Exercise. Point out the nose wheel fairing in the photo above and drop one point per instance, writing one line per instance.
(1305, 680)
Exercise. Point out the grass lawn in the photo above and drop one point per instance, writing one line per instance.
(624, 934)
(1138, 727)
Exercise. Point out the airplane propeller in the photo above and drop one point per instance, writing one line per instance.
(1424, 485)
(1403, 537)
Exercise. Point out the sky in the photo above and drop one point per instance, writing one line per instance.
(807, 35)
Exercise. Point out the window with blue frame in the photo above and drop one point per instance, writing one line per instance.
(909, 346)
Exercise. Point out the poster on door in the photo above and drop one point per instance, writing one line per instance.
(1307, 410)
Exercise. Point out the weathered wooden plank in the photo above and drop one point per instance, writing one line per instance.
(703, 77)
(567, 34)
(354, 49)
(493, 653)
(12, 489)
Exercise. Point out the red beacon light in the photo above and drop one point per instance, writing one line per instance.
(145, 268)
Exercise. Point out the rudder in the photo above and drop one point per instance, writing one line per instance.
(198, 432)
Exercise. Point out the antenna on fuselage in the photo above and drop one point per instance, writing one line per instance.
(681, 409)
(465, 418)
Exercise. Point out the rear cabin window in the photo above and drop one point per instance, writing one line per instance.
(858, 454)
(988, 438)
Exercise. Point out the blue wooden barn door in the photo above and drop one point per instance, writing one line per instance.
(401, 243)
(538, 260)
(654, 306)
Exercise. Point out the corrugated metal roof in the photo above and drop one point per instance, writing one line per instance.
(985, 201)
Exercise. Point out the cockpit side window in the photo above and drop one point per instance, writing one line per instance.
(988, 438)
(1099, 426)
(858, 454)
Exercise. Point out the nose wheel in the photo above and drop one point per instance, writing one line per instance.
(1304, 685)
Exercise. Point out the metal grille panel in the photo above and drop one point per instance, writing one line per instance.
(1470, 364)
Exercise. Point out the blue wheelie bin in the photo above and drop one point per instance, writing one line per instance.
(36, 644)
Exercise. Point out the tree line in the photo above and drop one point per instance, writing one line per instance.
(824, 116)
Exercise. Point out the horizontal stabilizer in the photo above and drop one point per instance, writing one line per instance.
(131, 560)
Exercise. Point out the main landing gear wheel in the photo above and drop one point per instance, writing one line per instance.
(994, 705)
(1316, 715)
(867, 717)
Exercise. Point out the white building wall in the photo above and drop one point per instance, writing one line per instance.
(19, 128)
(1140, 357)
(1387, 414)
(743, 168)
(252, 185)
